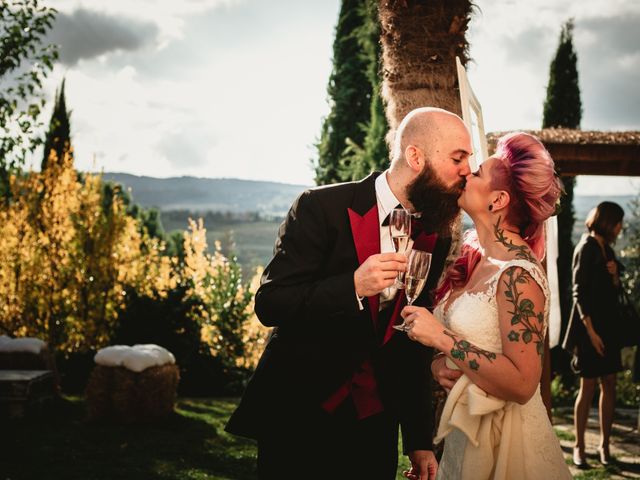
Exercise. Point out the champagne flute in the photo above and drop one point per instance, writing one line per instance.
(418, 267)
(400, 230)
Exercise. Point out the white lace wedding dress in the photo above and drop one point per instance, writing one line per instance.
(503, 440)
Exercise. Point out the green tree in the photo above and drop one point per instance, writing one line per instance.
(25, 61)
(149, 220)
(59, 134)
(359, 160)
(563, 109)
(175, 245)
(349, 93)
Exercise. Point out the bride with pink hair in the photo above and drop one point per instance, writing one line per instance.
(490, 321)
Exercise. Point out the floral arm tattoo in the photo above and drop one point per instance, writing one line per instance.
(463, 350)
(523, 316)
(522, 251)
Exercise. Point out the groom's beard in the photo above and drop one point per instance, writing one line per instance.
(437, 202)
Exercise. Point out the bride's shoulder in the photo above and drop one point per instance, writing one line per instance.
(521, 261)
(524, 273)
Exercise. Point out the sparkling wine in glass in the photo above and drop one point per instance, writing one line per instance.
(400, 230)
(418, 266)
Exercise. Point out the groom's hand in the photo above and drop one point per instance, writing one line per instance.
(445, 376)
(423, 465)
(378, 272)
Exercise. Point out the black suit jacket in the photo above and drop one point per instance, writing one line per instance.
(320, 336)
(594, 294)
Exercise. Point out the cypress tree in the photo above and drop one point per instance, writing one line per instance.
(349, 95)
(360, 160)
(59, 134)
(563, 109)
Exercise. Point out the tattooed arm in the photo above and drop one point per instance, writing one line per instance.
(515, 373)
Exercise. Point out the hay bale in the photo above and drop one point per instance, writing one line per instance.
(21, 360)
(122, 395)
(98, 393)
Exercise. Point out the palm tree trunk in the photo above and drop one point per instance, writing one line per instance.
(420, 41)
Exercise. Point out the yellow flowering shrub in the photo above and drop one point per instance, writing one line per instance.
(69, 254)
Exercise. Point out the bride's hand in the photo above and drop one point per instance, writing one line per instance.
(423, 326)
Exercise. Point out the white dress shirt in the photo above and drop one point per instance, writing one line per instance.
(387, 201)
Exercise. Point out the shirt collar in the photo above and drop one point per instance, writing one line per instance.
(387, 201)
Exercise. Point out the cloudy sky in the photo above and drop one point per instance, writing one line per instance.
(237, 88)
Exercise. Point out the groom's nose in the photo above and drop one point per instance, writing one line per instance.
(464, 168)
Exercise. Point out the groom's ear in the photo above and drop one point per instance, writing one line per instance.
(414, 158)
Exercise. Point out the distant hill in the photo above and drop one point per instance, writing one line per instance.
(234, 195)
(209, 194)
(184, 197)
(269, 198)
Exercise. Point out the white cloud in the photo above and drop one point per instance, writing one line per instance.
(513, 43)
(245, 106)
(85, 34)
(171, 16)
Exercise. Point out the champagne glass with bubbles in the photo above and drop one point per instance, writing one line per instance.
(400, 230)
(418, 266)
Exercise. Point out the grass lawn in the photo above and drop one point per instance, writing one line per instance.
(191, 444)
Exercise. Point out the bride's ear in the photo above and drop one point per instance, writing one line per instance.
(500, 200)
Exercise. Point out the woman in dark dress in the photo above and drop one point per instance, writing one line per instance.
(592, 336)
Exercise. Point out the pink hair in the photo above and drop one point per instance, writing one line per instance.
(525, 170)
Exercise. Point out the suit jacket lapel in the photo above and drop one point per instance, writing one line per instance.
(365, 228)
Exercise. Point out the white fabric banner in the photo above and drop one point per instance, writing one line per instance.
(555, 319)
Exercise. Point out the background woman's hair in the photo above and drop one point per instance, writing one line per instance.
(603, 220)
(526, 171)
